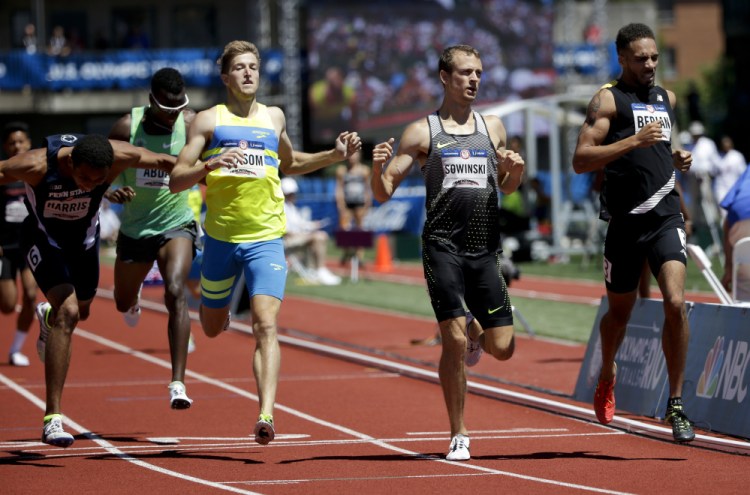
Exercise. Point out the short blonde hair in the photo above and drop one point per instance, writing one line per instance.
(234, 48)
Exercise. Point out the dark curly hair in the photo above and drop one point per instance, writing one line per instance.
(94, 150)
(632, 32)
(167, 79)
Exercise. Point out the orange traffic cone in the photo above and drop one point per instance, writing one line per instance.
(383, 261)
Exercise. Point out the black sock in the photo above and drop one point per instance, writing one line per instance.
(674, 401)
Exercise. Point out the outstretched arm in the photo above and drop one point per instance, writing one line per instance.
(28, 167)
(127, 155)
(293, 162)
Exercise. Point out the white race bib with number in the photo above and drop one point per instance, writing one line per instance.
(152, 178)
(253, 165)
(464, 168)
(645, 113)
(68, 209)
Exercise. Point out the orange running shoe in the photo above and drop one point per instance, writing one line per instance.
(604, 401)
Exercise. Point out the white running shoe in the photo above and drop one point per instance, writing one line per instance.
(264, 431)
(459, 449)
(327, 277)
(178, 399)
(18, 359)
(132, 315)
(53, 433)
(473, 347)
(42, 310)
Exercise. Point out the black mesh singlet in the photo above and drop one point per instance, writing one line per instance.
(460, 176)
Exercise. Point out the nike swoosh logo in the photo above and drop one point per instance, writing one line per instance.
(490, 311)
(443, 145)
(167, 146)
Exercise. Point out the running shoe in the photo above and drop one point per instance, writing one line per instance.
(42, 313)
(53, 433)
(132, 315)
(18, 359)
(473, 347)
(459, 449)
(264, 431)
(604, 400)
(682, 428)
(178, 398)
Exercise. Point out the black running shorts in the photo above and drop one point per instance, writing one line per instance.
(633, 239)
(146, 249)
(453, 280)
(53, 266)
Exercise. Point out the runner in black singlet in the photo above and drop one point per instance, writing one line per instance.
(464, 162)
(627, 132)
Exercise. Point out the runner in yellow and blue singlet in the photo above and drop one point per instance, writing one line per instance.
(239, 149)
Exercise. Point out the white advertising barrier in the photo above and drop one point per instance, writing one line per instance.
(716, 390)
(717, 376)
(642, 385)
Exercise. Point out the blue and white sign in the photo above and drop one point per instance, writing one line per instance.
(118, 69)
(717, 376)
(716, 389)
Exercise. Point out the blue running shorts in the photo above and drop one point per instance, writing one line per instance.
(263, 264)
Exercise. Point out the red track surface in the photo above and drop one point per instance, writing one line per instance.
(344, 424)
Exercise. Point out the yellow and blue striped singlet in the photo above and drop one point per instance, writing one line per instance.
(245, 204)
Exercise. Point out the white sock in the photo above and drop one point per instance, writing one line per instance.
(18, 341)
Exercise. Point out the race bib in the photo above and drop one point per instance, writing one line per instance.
(151, 178)
(464, 168)
(253, 165)
(68, 209)
(645, 113)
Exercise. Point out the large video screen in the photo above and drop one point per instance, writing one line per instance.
(372, 66)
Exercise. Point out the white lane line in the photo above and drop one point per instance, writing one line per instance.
(476, 432)
(111, 449)
(93, 451)
(176, 440)
(587, 413)
(321, 422)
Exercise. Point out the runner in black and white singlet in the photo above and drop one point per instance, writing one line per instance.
(464, 163)
(65, 182)
(627, 132)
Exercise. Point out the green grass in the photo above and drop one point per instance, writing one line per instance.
(565, 321)
(591, 269)
(551, 319)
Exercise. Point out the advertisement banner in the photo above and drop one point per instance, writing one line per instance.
(717, 375)
(117, 69)
(405, 212)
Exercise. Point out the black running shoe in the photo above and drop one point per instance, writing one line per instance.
(682, 428)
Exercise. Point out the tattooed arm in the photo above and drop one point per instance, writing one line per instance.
(590, 154)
